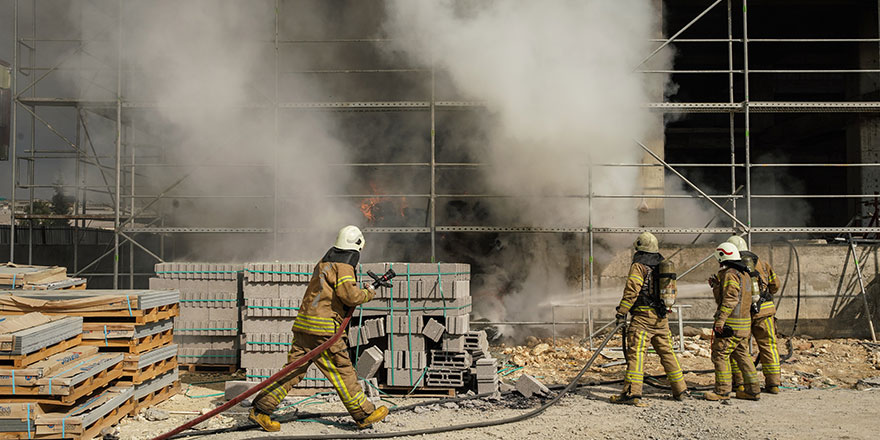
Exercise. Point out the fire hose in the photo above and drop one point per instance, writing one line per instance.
(574, 383)
(275, 377)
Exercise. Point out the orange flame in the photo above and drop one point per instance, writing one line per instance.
(369, 204)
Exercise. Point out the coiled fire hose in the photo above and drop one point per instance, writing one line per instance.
(275, 377)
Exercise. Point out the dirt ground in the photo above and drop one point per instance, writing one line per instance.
(822, 397)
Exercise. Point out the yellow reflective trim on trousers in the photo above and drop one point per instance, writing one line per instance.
(300, 326)
(675, 358)
(325, 359)
(774, 349)
(346, 396)
(316, 319)
(343, 280)
(642, 337)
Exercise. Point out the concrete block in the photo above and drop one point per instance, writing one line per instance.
(505, 387)
(369, 362)
(452, 307)
(370, 329)
(293, 291)
(486, 368)
(404, 378)
(458, 325)
(224, 314)
(487, 387)
(402, 359)
(263, 360)
(450, 359)
(404, 324)
(223, 287)
(207, 342)
(271, 307)
(453, 343)
(261, 290)
(267, 325)
(207, 356)
(441, 377)
(433, 330)
(475, 341)
(370, 387)
(206, 328)
(406, 342)
(164, 284)
(528, 386)
(268, 342)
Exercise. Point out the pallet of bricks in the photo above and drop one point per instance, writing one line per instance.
(68, 360)
(272, 296)
(25, 277)
(207, 330)
(413, 337)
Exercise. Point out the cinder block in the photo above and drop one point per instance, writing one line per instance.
(404, 378)
(293, 291)
(206, 328)
(164, 284)
(450, 359)
(528, 386)
(458, 325)
(474, 341)
(223, 287)
(433, 330)
(441, 377)
(404, 324)
(207, 342)
(406, 342)
(207, 356)
(268, 342)
(402, 359)
(490, 387)
(224, 314)
(370, 329)
(452, 307)
(453, 343)
(369, 362)
(486, 368)
(505, 387)
(370, 387)
(271, 307)
(263, 360)
(267, 325)
(261, 290)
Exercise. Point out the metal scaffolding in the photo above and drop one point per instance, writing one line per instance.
(132, 212)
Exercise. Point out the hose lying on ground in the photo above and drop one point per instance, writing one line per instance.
(275, 377)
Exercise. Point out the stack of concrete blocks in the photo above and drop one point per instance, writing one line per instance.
(210, 296)
(273, 293)
(427, 340)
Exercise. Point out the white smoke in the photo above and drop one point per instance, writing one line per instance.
(558, 82)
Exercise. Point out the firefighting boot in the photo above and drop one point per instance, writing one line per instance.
(745, 395)
(709, 395)
(772, 389)
(682, 396)
(264, 421)
(376, 416)
(626, 399)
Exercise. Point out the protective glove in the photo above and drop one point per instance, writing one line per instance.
(371, 292)
(620, 318)
(713, 281)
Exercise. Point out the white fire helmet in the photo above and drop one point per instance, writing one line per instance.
(727, 252)
(350, 238)
(647, 242)
(738, 242)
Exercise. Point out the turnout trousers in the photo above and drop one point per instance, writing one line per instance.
(726, 351)
(764, 331)
(334, 363)
(658, 336)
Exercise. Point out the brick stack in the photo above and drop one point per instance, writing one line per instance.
(207, 330)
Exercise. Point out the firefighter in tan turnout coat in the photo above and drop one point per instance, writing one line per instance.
(641, 298)
(332, 289)
(732, 288)
(763, 320)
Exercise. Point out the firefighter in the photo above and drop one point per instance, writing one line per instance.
(732, 288)
(763, 320)
(332, 289)
(641, 298)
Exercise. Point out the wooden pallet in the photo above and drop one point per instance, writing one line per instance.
(94, 430)
(139, 376)
(23, 360)
(156, 397)
(86, 387)
(134, 346)
(228, 368)
(145, 316)
(420, 391)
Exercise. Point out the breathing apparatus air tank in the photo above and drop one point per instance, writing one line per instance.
(667, 278)
(749, 262)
